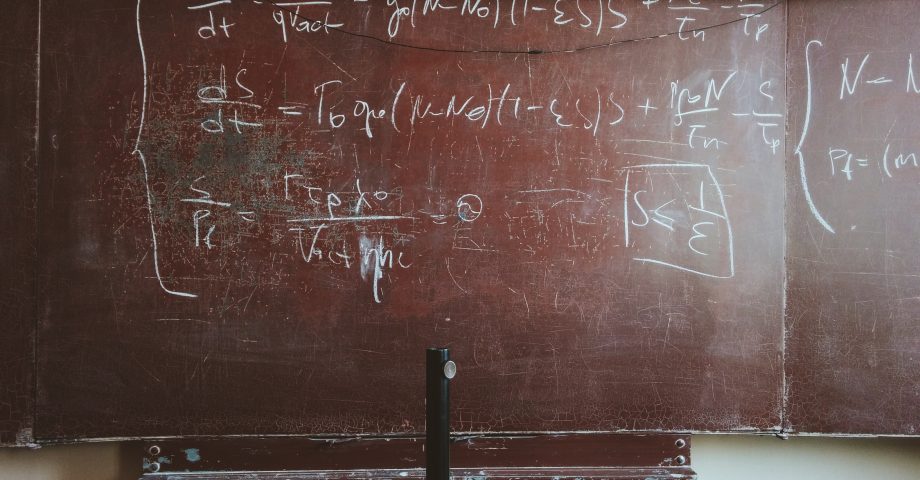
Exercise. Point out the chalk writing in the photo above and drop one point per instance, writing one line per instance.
(684, 225)
(360, 174)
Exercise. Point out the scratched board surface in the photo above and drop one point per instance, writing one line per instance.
(260, 215)
(853, 256)
(18, 253)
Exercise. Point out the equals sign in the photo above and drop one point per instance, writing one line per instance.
(290, 110)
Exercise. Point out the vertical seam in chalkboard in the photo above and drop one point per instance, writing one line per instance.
(784, 405)
(36, 285)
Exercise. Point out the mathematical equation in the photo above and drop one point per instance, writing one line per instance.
(347, 166)
(865, 91)
(595, 18)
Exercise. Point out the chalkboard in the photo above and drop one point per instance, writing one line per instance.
(853, 256)
(18, 219)
(256, 216)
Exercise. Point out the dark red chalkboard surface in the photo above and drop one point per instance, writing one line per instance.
(18, 219)
(255, 217)
(853, 314)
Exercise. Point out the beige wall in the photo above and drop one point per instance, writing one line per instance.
(726, 457)
(717, 457)
(91, 461)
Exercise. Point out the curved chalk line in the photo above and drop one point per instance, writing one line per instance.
(140, 156)
(798, 148)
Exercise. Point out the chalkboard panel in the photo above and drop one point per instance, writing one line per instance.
(257, 222)
(853, 256)
(18, 219)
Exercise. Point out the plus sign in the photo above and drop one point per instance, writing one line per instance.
(648, 106)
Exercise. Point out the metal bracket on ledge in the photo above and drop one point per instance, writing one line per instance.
(586, 456)
(474, 456)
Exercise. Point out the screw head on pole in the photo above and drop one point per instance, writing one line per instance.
(450, 369)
